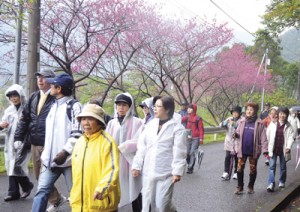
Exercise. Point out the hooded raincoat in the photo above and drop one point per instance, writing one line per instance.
(149, 104)
(194, 123)
(126, 136)
(160, 156)
(95, 167)
(16, 162)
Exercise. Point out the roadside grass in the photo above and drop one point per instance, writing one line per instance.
(2, 163)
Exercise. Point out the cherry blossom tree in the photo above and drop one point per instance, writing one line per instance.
(236, 74)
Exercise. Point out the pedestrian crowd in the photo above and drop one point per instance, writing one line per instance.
(110, 162)
(248, 136)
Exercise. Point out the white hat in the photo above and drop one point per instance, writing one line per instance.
(92, 110)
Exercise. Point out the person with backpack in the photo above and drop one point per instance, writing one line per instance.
(195, 129)
(32, 126)
(230, 144)
(62, 133)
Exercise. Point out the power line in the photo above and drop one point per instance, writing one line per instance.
(229, 16)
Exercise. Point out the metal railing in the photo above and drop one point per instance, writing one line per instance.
(207, 130)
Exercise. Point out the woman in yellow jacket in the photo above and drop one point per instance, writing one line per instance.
(95, 165)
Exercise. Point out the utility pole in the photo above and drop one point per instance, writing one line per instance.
(33, 59)
(265, 73)
(18, 43)
(298, 84)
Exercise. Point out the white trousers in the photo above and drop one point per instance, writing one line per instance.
(158, 193)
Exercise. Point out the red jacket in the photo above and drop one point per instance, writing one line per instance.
(191, 119)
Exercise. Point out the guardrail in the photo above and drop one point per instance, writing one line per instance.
(214, 130)
(207, 130)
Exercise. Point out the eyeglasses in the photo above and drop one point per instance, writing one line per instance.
(157, 106)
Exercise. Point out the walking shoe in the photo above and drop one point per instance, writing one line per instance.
(234, 176)
(267, 162)
(11, 198)
(190, 171)
(238, 190)
(270, 187)
(250, 190)
(225, 176)
(55, 207)
(281, 185)
(27, 193)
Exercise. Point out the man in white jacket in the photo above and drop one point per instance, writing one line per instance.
(62, 132)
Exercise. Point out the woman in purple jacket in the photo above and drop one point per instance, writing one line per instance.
(252, 141)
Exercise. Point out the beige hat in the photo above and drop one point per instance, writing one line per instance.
(92, 110)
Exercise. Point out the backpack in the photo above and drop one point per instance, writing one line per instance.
(70, 107)
(197, 121)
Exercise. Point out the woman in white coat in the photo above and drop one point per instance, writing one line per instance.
(16, 154)
(280, 139)
(125, 129)
(161, 156)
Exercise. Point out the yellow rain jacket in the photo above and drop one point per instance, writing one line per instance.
(95, 167)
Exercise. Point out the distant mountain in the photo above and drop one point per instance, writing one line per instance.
(290, 42)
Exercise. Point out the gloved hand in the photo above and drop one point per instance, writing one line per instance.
(18, 145)
(61, 157)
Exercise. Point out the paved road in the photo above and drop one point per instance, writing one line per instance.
(202, 191)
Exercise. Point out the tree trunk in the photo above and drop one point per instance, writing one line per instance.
(33, 46)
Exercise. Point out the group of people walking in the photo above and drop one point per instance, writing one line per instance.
(106, 164)
(110, 163)
(249, 136)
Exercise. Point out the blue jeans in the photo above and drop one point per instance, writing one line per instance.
(192, 147)
(47, 179)
(272, 169)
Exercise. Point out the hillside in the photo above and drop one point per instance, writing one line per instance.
(290, 42)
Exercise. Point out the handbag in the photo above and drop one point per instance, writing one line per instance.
(287, 157)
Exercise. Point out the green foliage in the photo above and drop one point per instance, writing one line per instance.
(2, 162)
(2, 166)
(281, 15)
(276, 98)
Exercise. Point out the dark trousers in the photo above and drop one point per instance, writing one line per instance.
(137, 204)
(13, 185)
(227, 162)
(252, 174)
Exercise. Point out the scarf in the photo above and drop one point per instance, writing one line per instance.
(251, 118)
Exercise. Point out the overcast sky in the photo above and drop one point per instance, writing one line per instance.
(246, 12)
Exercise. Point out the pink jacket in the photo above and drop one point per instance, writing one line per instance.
(260, 138)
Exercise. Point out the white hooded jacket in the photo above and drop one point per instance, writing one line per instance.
(16, 163)
(126, 136)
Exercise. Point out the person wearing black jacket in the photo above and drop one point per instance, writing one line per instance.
(31, 127)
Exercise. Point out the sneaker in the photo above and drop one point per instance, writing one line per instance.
(250, 190)
(225, 176)
(281, 185)
(55, 207)
(270, 187)
(190, 171)
(234, 176)
(267, 162)
(238, 190)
